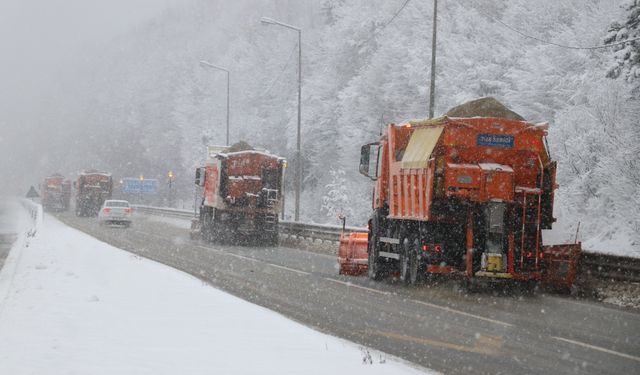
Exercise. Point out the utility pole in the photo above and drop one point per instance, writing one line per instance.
(170, 200)
(228, 86)
(299, 156)
(210, 65)
(432, 94)
(297, 182)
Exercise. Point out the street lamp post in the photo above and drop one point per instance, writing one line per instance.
(170, 175)
(298, 178)
(432, 86)
(210, 65)
(141, 184)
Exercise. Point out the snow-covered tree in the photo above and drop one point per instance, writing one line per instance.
(597, 142)
(626, 57)
(336, 201)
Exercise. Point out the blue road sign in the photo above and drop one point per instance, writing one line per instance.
(150, 186)
(135, 185)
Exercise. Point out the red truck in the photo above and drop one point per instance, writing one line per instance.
(92, 189)
(56, 193)
(241, 196)
(460, 195)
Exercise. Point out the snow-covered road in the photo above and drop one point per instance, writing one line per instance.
(70, 304)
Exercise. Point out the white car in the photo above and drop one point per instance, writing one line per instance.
(115, 212)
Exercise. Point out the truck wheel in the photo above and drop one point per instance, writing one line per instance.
(415, 271)
(403, 261)
(468, 286)
(274, 240)
(373, 250)
(530, 287)
(205, 226)
(408, 261)
(375, 268)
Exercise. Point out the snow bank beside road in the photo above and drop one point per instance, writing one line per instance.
(77, 305)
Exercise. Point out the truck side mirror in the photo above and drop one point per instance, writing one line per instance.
(200, 176)
(369, 160)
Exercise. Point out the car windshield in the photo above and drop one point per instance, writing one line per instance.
(116, 204)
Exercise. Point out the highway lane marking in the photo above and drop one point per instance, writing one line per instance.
(141, 232)
(604, 350)
(592, 305)
(258, 260)
(448, 309)
(357, 286)
(289, 269)
(209, 249)
(490, 345)
(242, 257)
(267, 263)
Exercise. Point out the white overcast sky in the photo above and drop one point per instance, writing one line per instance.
(36, 36)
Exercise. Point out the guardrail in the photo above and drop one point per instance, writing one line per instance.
(164, 211)
(314, 231)
(35, 211)
(610, 267)
(288, 228)
(592, 264)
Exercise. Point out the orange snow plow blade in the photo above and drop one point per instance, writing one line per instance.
(352, 254)
(561, 265)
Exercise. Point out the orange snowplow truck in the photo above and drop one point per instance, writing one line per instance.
(92, 189)
(56, 193)
(467, 196)
(242, 195)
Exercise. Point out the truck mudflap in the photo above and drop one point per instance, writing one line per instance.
(352, 254)
(561, 265)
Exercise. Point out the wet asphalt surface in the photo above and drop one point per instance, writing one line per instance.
(436, 325)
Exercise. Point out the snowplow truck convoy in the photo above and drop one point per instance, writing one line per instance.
(242, 195)
(56, 193)
(92, 189)
(461, 195)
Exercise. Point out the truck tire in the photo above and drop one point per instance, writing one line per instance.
(375, 269)
(205, 222)
(275, 239)
(266, 239)
(409, 262)
(405, 259)
(415, 269)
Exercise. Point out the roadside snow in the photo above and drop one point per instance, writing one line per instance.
(79, 306)
(613, 240)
